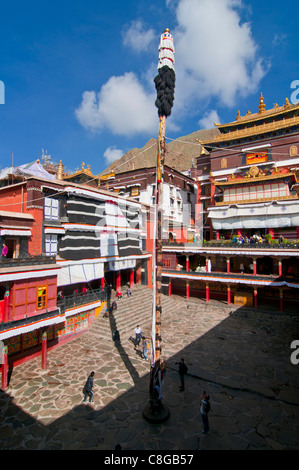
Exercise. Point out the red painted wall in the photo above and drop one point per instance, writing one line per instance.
(23, 297)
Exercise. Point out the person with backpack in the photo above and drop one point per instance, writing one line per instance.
(183, 369)
(204, 410)
(87, 390)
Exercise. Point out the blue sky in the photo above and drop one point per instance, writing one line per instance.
(79, 75)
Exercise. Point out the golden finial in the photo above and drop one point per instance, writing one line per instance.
(60, 171)
(262, 104)
(238, 116)
(83, 165)
(287, 103)
(203, 151)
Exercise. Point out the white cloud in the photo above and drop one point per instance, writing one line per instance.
(122, 105)
(138, 37)
(216, 55)
(112, 153)
(216, 59)
(209, 119)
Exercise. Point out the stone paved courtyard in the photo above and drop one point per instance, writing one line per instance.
(242, 358)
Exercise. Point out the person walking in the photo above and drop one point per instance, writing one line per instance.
(138, 334)
(183, 369)
(204, 410)
(144, 348)
(87, 390)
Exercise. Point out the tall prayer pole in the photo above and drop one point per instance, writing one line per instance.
(165, 83)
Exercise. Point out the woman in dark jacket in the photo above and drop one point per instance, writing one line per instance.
(87, 390)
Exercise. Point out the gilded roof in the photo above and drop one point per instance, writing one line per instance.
(262, 122)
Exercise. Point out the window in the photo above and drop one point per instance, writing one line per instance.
(134, 192)
(51, 208)
(224, 163)
(257, 157)
(51, 245)
(267, 190)
(232, 193)
(239, 194)
(41, 297)
(252, 191)
(275, 192)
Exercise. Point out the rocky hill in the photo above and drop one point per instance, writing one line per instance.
(179, 153)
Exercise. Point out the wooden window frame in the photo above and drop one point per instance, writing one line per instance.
(43, 297)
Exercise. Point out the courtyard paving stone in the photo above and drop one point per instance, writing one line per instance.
(241, 359)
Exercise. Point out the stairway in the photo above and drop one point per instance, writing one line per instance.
(131, 311)
(137, 310)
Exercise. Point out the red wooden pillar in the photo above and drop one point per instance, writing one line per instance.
(255, 297)
(207, 293)
(280, 267)
(229, 297)
(132, 278)
(187, 263)
(118, 281)
(169, 287)
(228, 265)
(187, 289)
(4, 368)
(6, 297)
(254, 267)
(102, 282)
(138, 274)
(217, 235)
(44, 350)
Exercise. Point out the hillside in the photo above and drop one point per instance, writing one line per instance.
(179, 154)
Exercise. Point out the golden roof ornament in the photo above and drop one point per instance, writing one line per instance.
(203, 151)
(60, 171)
(262, 105)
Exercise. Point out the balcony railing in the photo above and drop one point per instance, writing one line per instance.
(76, 300)
(274, 245)
(28, 261)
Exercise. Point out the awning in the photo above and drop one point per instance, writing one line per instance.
(82, 271)
(27, 272)
(15, 232)
(255, 216)
(122, 264)
(55, 230)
